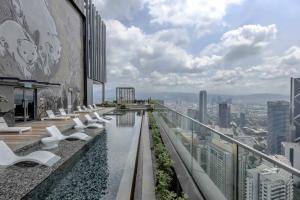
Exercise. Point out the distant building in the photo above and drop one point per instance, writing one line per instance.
(224, 115)
(203, 106)
(266, 183)
(295, 109)
(192, 113)
(278, 125)
(242, 119)
(220, 166)
(292, 151)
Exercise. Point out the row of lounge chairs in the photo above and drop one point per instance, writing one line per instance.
(8, 157)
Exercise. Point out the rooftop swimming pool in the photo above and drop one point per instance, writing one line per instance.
(95, 171)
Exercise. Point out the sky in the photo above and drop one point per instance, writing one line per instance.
(222, 46)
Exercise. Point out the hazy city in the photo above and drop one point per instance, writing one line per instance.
(149, 99)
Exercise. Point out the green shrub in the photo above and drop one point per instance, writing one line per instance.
(164, 163)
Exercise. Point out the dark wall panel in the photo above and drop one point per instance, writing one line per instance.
(43, 40)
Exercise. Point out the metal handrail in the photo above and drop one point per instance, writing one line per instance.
(252, 150)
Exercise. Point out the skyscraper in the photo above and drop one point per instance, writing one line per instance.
(192, 113)
(203, 106)
(242, 119)
(220, 165)
(278, 125)
(295, 108)
(224, 115)
(291, 151)
(266, 183)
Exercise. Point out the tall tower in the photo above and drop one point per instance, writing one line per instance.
(295, 109)
(203, 106)
(224, 115)
(278, 125)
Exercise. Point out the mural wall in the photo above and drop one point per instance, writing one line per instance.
(43, 40)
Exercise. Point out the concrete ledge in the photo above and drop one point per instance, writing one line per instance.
(148, 189)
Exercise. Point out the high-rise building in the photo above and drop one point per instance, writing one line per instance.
(291, 151)
(192, 113)
(203, 106)
(278, 125)
(224, 115)
(242, 119)
(266, 183)
(220, 165)
(295, 109)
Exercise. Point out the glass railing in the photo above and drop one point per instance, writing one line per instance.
(224, 168)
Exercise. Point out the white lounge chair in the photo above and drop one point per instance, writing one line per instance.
(96, 107)
(52, 116)
(79, 110)
(64, 114)
(93, 109)
(56, 136)
(80, 125)
(89, 109)
(91, 120)
(5, 129)
(107, 118)
(100, 118)
(8, 157)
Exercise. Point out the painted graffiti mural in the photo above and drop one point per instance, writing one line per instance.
(42, 40)
(31, 38)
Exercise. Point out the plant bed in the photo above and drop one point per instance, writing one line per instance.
(167, 186)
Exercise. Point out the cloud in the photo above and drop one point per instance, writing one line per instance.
(141, 53)
(198, 14)
(245, 41)
(159, 61)
(117, 9)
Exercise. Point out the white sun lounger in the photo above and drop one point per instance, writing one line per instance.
(8, 157)
(79, 110)
(5, 129)
(51, 116)
(91, 120)
(80, 125)
(101, 118)
(56, 136)
(96, 107)
(89, 109)
(92, 108)
(64, 114)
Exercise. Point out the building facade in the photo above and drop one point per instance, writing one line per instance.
(295, 109)
(224, 115)
(203, 106)
(266, 183)
(291, 151)
(278, 125)
(44, 57)
(192, 113)
(220, 166)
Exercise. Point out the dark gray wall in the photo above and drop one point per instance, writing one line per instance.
(43, 40)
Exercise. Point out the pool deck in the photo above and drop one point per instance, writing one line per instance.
(18, 141)
(16, 181)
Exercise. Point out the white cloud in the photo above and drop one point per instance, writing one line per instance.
(198, 14)
(113, 9)
(142, 53)
(157, 61)
(242, 42)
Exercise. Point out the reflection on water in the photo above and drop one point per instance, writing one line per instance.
(126, 120)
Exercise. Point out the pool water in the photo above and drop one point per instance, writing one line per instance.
(97, 172)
